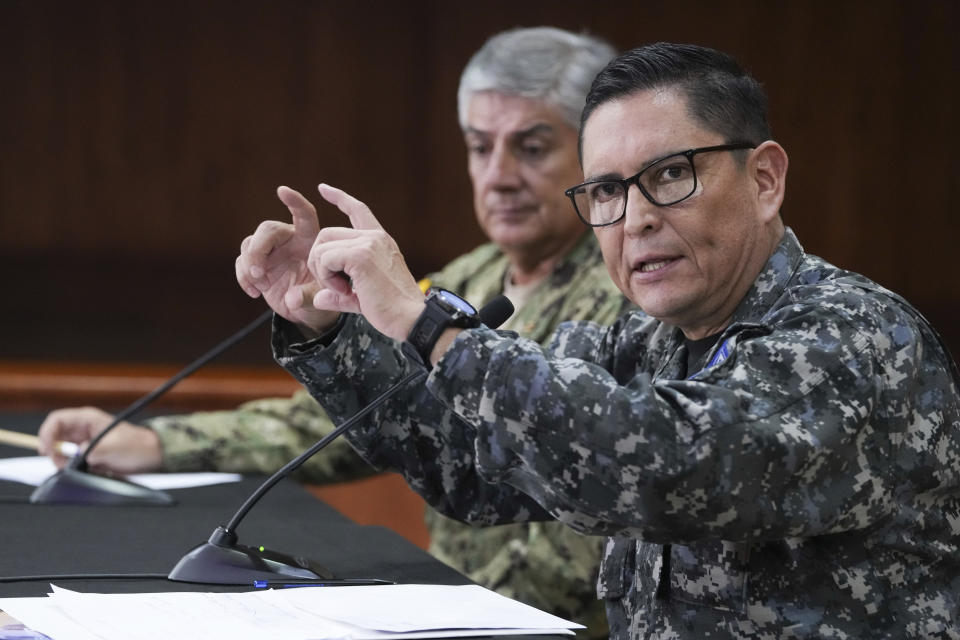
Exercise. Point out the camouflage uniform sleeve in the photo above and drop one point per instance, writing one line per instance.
(770, 442)
(544, 564)
(258, 437)
(411, 433)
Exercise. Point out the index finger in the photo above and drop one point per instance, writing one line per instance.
(360, 215)
(301, 210)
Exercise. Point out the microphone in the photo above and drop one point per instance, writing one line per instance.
(495, 313)
(74, 484)
(222, 560)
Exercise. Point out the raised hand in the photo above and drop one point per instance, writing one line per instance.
(380, 285)
(273, 263)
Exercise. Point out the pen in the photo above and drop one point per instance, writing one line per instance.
(27, 441)
(343, 582)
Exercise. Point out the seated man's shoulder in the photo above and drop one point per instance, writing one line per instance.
(466, 266)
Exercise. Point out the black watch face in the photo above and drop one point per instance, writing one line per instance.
(456, 301)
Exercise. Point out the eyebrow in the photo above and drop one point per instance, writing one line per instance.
(617, 176)
(540, 128)
(603, 177)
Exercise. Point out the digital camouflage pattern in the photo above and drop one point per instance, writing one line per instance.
(546, 565)
(806, 486)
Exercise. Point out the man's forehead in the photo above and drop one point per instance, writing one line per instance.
(633, 130)
(494, 113)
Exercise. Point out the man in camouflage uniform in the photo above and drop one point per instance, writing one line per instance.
(520, 99)
(774, 450)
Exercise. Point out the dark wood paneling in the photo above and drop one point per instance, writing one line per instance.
(384, 500)
(34, 386)
(141, 141)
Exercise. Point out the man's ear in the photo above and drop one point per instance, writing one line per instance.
(768, 164)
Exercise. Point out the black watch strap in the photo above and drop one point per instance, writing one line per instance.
(443, 309)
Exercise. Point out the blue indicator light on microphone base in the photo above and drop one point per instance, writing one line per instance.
(343, 582)
(267, 584)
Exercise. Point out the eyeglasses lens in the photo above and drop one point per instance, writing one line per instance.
(665, 182)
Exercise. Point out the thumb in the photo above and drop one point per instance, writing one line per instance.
(330, 300)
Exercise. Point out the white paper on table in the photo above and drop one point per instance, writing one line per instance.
(292, 614)
(419, 607)
(67, 615)
(39, 614)
(34, 470)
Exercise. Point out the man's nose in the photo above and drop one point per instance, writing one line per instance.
(641, 216)
(502, 170)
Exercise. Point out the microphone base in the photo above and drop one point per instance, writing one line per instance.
(72, 486)
(222, 561)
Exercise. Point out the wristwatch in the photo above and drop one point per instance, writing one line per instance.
(444, 309)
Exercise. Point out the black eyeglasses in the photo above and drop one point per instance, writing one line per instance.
(663, 182)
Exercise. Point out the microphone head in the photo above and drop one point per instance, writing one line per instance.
(495, 313)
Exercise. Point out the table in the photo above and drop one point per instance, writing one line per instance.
(73, 539)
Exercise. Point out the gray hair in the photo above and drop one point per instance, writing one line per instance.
(543, 63)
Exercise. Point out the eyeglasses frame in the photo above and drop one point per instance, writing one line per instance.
(635, 179)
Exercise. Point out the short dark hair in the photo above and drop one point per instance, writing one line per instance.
(720, 94)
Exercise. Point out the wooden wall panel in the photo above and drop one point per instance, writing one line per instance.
(141, 141)
(33, 387)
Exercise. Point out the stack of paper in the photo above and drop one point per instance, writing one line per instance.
(306, 613)
(34, 470)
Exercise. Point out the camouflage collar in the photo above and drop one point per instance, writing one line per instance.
(765, 291)
(585, 252)
(578, 256)
(772, 281)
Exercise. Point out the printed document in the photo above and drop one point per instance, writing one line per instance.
(301, 613)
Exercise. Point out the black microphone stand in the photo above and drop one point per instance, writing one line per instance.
(74, 484)
(222, 560)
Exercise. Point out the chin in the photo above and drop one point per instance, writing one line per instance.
(666, 311)
(512, 236)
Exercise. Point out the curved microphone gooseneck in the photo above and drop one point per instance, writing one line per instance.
(74, 484)
(221, 560)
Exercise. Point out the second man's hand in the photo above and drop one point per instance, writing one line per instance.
(380, 285)
(128, 448)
